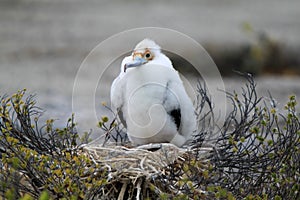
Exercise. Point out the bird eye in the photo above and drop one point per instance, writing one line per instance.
(147, 55)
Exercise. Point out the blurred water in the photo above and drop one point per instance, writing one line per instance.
(43, 42)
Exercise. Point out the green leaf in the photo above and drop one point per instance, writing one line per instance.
(277, 197)
(247, 27)
(105, 119)
(242, 139)
(10, 194)
(100, 124)
(26, 197)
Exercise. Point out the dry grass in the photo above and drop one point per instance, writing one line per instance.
(135, 173)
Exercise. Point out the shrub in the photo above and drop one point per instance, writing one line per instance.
(38, 160)
(253, 155)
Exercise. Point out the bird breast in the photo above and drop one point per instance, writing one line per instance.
(145, 93)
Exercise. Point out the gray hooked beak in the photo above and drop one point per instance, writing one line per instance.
(138, 61)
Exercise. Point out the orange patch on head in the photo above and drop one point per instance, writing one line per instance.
(137, 54)
(147, 54)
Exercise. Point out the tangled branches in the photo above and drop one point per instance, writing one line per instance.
(255, 154)
(258, 149)
(42, 159)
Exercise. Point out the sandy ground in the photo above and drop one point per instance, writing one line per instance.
(44, 42)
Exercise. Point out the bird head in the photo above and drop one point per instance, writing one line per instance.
(146, 51)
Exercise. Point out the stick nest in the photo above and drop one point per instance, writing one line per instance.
(148, 171)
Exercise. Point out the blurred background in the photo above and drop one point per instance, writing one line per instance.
(43, 42)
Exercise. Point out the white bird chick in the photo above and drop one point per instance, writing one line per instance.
(151, 100)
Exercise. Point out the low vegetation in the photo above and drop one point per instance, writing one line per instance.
(255, 154)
